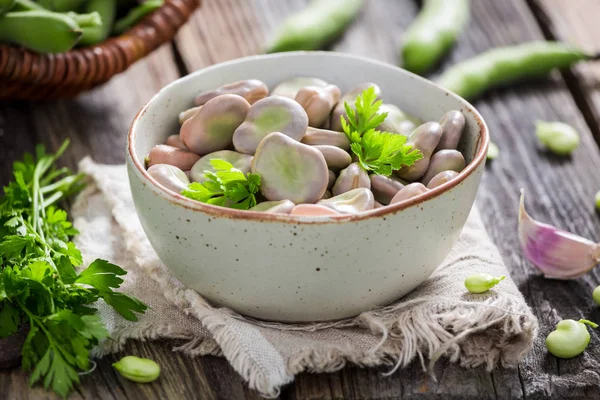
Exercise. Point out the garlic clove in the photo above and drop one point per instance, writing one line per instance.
(557, 253)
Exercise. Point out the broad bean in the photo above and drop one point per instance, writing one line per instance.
(596, 294)
(444, 160)
(351, 202)
(315, 136)
(169, 176)
(558, 137)
(397, 121)
(141, 370)
(480, 283)
(441, 178)
(289, 88)
(274, 207)
(453, 125)
(313, 210)
(332, 178)
(424, 138)
(239, 161)
(351, 177)
(187, 114)
(290, 170)
(271, 114)
(175, 141)
(250, 89)
(409, 191)
(62, 5)
(493, 151)
(212, 127)
(570, 338)
(335, 157)
(163, 154)
(385, 188)
(5, 6)
(318, 102)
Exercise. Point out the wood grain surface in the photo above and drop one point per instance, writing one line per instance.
(559, 190)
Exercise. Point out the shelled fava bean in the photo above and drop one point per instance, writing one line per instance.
(292, 138)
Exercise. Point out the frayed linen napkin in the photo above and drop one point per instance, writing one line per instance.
(439, 318)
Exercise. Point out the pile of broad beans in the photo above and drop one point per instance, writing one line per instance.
(293, 139)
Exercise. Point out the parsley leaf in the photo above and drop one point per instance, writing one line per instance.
(38, 282)
(227, 187)
(384, 152)
(380, 152)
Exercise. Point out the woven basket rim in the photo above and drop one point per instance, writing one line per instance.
(26, 74)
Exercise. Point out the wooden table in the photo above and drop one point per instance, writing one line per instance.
(560, 191)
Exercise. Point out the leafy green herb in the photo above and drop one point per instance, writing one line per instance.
(38, 282)
(227, 187)
(380, 152)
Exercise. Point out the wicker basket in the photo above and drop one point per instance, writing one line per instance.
(28, 75)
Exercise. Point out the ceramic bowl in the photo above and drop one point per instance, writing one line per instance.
(283, 268)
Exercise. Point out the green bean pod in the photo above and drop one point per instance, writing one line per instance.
(503, 65)
(433, 32)
(108, 11)
(41, 31)
(6, 5)
(135, 15)
(86, 20)
(62, 5)
(315, 26)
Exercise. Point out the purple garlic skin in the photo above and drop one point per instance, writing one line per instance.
(290, 170)
(239, 161)
(352, 177)
(385, 188)
(425, 138)
(169, 176)
(558, 254)
(271, 114)
(211, 129)
(289, 88)
(163, 154)
(350, 98)
(325, 137)
(444, 160)
(409, 191)
(251, 89)
(453, 125)
(352, 202)
(318, 102)
(274, 207)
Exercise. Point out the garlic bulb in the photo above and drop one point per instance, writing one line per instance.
(557, 253)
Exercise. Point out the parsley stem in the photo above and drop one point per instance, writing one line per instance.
(54, 174)
(52, 199)
(66, 181)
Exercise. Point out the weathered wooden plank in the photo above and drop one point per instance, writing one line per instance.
(577, 23)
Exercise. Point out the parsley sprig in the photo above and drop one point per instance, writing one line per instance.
(39, 286)
(380, 152)
(227, 187)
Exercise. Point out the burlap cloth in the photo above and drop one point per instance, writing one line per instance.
(439, 318)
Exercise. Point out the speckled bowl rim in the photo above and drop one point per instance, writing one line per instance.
(230, 213)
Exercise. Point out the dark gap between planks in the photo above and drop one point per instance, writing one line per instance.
(576, 89)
